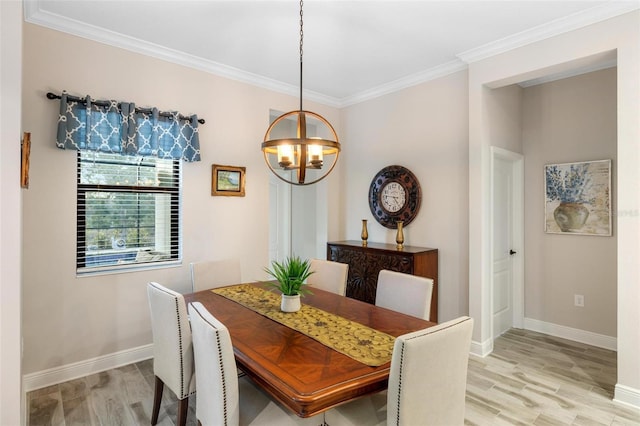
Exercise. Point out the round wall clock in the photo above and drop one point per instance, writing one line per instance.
(394, 195)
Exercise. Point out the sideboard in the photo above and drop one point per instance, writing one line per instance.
(365, 262)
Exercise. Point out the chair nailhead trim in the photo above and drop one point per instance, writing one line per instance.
(400, 384)
(182, 395)
(223, 377)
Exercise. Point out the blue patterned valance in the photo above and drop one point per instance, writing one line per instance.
(120, 128)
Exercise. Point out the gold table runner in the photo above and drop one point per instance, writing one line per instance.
(364, 344)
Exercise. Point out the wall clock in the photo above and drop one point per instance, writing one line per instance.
(394, 195)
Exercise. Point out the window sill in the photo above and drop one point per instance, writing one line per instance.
(127, 268)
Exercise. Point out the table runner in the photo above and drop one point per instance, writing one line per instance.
(362, 343)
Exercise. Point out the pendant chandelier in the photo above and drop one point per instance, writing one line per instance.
(301, 147)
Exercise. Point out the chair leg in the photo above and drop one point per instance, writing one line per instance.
(157, 397)
(183, 406)
(324, 420)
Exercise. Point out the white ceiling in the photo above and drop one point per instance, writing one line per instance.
(353, 50)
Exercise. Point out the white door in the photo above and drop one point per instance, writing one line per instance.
(279, 219)
(507, 240)
(502, 246)
(304, 221)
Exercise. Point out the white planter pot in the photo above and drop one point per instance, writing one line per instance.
(290, 303)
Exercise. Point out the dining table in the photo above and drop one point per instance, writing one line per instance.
(305, 375)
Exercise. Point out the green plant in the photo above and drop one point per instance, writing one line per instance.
(290, 275)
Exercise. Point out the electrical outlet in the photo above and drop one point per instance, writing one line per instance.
(578, 300)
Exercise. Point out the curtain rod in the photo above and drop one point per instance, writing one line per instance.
(105, 103)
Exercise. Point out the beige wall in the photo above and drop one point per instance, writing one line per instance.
(504, 111)
(425, 129)
(565, 121)
(69, 319)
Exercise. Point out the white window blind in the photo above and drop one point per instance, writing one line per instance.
(128, 211)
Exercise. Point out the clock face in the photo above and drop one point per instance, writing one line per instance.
(394, 195)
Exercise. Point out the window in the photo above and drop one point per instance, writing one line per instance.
(128, 211)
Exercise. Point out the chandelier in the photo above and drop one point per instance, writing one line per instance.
(301, 147)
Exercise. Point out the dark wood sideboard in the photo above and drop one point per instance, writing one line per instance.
(365, 262)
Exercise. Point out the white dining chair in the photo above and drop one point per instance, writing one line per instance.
(223, 398)
(427, 381)
(173, 364)
(214, 273)
(406, 293)
(328, 275)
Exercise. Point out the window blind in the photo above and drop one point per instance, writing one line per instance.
(128, 211)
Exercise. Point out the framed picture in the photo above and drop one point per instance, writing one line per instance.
(25, 147)
(227, 180)
(578, 198)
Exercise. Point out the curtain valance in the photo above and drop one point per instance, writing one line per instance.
(120, 128)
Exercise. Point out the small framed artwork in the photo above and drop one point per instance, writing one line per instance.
(24, 164)
(227, 180)
(578, 198)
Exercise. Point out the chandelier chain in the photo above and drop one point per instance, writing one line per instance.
(301, 38)
(301, 31)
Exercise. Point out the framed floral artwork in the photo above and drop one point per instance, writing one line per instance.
(578, 198)
(227, 180)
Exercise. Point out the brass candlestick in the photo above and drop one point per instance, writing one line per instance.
(364, 235)
(399, 236)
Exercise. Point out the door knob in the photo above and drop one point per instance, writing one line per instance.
(511, 252)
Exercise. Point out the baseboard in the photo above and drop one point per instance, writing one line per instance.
(75, 370)
(593, 339)
(481, 349)
(627, 396)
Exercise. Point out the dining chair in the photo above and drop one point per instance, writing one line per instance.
(223, 398)
(173, 364)
(328, 275)
(406, 293)
(214, 273)
(427, 381)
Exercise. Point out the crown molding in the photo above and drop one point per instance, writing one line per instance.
(35, 15)
(406, 82)
(559, 26)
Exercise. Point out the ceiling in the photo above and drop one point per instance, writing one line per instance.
(353, 50)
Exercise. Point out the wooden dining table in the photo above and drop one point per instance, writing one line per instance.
(303, 374)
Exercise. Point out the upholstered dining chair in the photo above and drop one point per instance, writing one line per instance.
(329, 275)
(406, 293)
(172, 349)
(223, 398)
(214, 273)
(427, 381)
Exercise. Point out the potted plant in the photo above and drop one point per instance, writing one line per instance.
(291, 276)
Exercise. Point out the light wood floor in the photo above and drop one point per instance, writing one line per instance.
(532, 378)
(529, 379)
